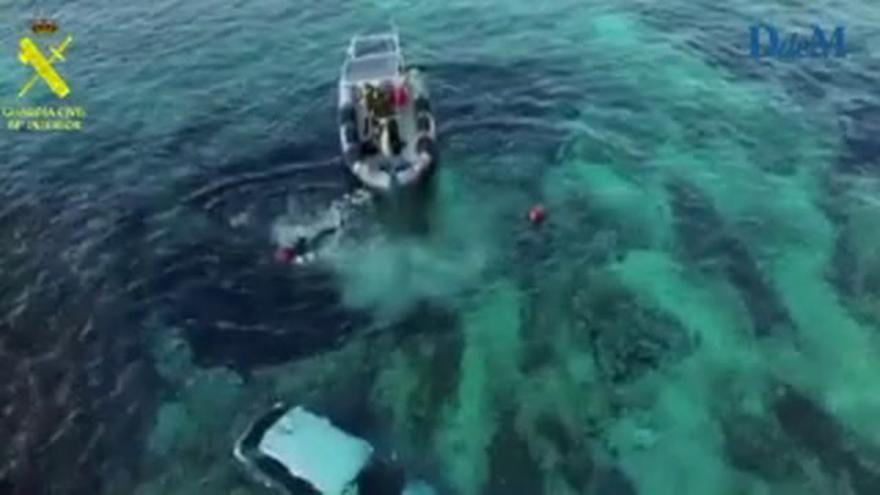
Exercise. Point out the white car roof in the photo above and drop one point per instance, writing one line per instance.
(314, 450)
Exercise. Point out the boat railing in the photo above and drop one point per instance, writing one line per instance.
(373, 56)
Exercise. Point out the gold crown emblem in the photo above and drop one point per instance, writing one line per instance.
(44, 25)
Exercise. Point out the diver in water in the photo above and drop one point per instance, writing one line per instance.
(303, 243)
(305, 247)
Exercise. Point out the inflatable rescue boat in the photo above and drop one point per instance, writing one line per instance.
(386, 127)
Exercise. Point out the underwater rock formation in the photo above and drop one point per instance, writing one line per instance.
(76, 382)
(855, 263)
(860, 126)
(707, 240)
(414, 384)
(612, 481)
(818, 432)
(512, 468)
(627, 337)
(758, 445)
(204, 409)
(270, 316)
(79, 388)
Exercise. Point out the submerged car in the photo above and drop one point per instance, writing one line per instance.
(386, 127)
(296, 452)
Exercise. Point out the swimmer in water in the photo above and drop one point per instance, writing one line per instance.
(302, 243)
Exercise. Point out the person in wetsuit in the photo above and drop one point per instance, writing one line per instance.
(307, 243)
(308, 240)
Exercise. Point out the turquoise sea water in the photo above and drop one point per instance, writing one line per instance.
(698, 315)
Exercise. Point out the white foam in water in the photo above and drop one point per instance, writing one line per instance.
(285, 233)
(296, 223)
(313, 449)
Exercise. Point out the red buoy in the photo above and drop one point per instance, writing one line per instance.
(537, 214)
(284, 254)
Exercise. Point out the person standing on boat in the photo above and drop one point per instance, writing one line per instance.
(399, 95)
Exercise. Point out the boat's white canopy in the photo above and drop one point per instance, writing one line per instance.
(372, 57)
